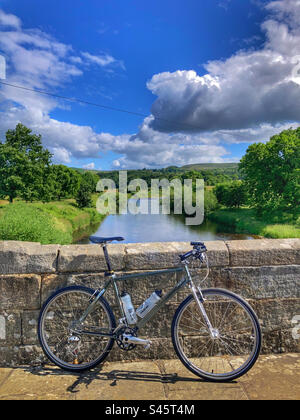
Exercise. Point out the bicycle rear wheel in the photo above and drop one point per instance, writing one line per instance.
(71, 347)
(236, 343)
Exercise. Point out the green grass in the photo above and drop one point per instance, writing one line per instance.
(244, 220)
(47, 223)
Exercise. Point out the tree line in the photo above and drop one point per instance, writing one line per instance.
(211, 177)
(267, 178)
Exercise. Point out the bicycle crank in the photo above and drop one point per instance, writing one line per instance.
(138, 341)
(127, 339)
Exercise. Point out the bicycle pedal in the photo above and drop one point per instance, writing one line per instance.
(136, 340)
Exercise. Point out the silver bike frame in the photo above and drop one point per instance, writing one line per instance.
(186, 279)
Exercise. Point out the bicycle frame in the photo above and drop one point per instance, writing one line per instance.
(113, 279)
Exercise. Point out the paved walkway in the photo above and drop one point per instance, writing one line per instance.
(273, 377)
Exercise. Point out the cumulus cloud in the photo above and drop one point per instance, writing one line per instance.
(245, 90)
(247, 97)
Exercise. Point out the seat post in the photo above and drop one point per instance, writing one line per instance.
(110, 271)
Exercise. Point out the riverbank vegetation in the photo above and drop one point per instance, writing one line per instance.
(47, 223)
(47, 203)
(245, 220)
(269, 191)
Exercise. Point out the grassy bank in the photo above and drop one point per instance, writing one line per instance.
(245, 221)
(48, 223)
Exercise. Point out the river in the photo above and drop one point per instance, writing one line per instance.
(159, 228)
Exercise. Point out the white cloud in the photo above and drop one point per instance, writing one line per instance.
(246, 90)
(9, 20)
(103, 60)
(245, 98)
(38, 61)
(89, 166)
(100, 60)
(116, 163)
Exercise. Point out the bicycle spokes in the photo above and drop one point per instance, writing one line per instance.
(226, 348)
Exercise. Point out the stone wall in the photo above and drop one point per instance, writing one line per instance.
(266, 272)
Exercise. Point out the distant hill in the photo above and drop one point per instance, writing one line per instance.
(81, 170)
(203, 166)
(212, 173)
(190, 167)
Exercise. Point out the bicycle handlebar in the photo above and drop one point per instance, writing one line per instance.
(187, 255)
(198, 249)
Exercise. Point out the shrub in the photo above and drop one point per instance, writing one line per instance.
(231, 194)
(84, 196)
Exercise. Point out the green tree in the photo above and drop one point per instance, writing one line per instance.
(271, 171)
(23, 161)
(231, 194)
(91, 179)
(66, 181)
(84, 196)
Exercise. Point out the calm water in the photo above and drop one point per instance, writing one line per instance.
(159, 228)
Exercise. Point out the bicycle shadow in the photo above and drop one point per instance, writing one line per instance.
(114, 376)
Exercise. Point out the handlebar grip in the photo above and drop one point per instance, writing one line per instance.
(186, 255)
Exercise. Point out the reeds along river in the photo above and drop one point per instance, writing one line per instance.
(159, 228)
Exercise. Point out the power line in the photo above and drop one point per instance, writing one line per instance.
(73, 99)
(43, 92)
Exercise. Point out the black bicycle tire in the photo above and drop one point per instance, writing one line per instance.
(102, 357)
(183, 358)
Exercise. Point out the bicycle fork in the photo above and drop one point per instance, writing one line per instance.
(196, 291)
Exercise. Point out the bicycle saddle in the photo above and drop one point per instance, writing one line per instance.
(100, 240)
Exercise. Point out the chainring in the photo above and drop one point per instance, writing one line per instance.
(121, 341)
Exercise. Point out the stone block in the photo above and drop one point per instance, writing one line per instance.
(265, 251)
(159, 255)
(53, 282)
(20, 291)
(263, 282)
(89, 258)
(275, 314)
(27, 258)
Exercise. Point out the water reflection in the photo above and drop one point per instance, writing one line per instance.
(160, 228)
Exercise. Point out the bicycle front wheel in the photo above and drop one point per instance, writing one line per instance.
(69, 345)
(233, 347)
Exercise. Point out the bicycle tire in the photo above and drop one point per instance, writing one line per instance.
(63, 330)
(190, 359)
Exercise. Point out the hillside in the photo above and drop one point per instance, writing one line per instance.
(203, 166)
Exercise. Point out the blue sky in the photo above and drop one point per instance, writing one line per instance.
(205, 74)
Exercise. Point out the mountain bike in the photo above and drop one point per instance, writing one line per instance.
(215, 333)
